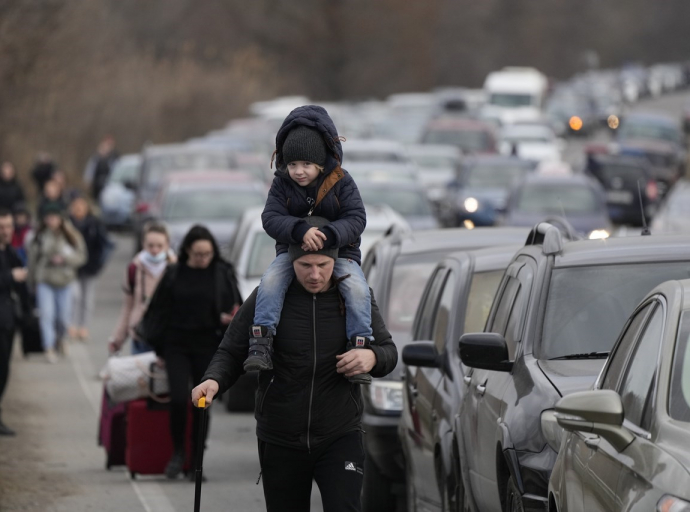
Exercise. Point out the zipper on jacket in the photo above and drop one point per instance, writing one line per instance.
(263, 398)
(353, 399)
(313, 374)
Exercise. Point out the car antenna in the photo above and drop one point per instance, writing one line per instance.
(645, 228)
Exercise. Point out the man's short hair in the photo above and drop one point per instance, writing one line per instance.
(5, 212)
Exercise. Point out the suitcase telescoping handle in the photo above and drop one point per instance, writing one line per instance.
(200, 453)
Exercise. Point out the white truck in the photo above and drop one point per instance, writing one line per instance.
(514, 94)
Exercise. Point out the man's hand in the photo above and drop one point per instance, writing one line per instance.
(208, 388)
(354, 362)
(19, 274)
(313, 240)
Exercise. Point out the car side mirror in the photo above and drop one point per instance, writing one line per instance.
(485, 351)
(599, 412)
(421, 353)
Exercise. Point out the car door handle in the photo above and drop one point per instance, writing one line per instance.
(592, 442)
(467, 380)
(414, 392)
(481, 389)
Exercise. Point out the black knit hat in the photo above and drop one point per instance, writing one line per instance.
(295, 250)
(305, 144)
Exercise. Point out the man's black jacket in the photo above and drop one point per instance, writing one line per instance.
(303, 401)
(8, 261)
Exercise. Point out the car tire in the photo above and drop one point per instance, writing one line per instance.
(376, 490)
(513, 497)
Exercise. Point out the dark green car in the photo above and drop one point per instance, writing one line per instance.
(627, 442)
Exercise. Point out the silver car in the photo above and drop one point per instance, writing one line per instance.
(627, 441)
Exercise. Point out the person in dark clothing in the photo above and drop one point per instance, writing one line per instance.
(52, 198)
(310, 182)
(194, 301)
(98, 248)
(12, 279)
(22, 228)
(43, 171)
(11, 192)
(99, 166)
(308, 413)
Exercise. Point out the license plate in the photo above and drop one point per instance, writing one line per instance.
(620, 196)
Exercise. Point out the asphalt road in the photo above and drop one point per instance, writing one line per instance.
(54, 464)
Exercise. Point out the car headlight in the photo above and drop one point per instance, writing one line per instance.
(552, 431)
(386, 395)
(599, 234)
(471, 204)
(672, 504)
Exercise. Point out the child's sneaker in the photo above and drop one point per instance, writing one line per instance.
(260, 349)
(355, 343)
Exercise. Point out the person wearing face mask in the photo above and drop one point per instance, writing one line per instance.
(143, 274)
(193, 305)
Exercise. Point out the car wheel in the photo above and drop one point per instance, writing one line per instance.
(376, 490)
(513, 497)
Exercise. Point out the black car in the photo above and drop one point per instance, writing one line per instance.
(457, 299)
(558, 311)
(632, 193)
(397, 268)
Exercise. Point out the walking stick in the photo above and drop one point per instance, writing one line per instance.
(200, 454)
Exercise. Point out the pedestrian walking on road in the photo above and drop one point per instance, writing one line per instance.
(12, 279)
(43, 171)
(11, 192)
(55, 253)
(309, 181)
(98, 246)
(308, 413)
(53, 198)
(193, 304)
(22, 231)
(141, 279)
(99, 166)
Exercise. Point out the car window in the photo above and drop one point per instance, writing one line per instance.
(407, 202)
(557, 199)
(637, 388)
(261, 255)
(617, 360)
(159, 166)
(467, 140)
(679, 399)
(493, 176)
(407, 285)
(482, 292)
(587, 307)
(220, 203)
(443, 312)
(505, 305)
(427, 307)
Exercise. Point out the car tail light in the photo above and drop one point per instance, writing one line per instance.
(652, 190)
(672, 504)
(142, 208)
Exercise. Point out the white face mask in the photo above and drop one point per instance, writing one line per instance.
(158, 258)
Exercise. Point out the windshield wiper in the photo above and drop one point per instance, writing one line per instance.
(588, 355)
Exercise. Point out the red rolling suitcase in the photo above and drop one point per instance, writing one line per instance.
(112, 433)
(149, 444)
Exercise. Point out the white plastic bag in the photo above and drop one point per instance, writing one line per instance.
(132, 377)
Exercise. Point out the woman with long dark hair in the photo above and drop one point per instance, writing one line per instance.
(185, 321)
(55, 253)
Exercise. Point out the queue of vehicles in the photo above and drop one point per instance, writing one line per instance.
(513, 305)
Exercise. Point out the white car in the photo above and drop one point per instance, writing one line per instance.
(252, 250)
(531, 141)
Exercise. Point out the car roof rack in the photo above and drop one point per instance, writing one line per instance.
(549, 236)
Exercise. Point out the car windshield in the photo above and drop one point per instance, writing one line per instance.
(407, 284)
(209, 204)
(511, 100)
(617, 175)
(159, 166)
(494, 176)
(435, 161)
(467, 140)
(679, 399)
(587, 306)
(261, 254)
(125, 170)
(407, 202)
(649, 131)
(557, 199)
